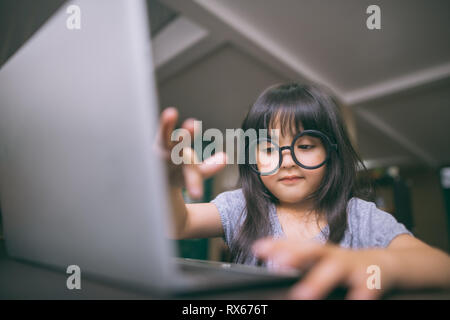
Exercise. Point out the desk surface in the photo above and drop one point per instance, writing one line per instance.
(19, 280)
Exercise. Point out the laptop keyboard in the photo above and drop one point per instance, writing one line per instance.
(221, 268)
(209, 276)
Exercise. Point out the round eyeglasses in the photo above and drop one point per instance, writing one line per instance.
(310, 149)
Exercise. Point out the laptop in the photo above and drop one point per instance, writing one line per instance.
(80, 183)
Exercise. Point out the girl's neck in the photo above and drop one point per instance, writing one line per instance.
(294, 208)
(301, 210)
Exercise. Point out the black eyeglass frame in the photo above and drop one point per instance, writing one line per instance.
(328, 145)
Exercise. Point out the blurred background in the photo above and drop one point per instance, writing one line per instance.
(214, 57)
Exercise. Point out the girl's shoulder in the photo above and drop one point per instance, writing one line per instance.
(371, 225)
(357, 205)
(362, 213)
(231, 205)
(231, 197)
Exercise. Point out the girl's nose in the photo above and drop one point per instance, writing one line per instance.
(286, 159)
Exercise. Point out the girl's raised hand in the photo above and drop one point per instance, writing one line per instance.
(190, 175)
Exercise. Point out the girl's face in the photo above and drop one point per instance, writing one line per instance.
(291, 184)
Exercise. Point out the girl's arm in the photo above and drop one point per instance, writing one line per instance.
(418, 265)
(195, 220)
(198, 220)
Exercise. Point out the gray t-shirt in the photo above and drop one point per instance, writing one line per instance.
(368, 226)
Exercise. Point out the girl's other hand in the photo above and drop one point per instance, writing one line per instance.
(189, 175)
(328, 266)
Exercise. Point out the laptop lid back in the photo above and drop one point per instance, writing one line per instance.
(80, 183)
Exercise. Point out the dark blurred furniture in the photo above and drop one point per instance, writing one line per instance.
(395, 195)
(445, 184)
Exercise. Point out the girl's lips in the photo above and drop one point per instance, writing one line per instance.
(290, 180)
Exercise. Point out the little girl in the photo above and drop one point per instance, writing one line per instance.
(301, 194)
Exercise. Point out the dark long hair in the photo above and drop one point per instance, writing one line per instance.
(312, 107)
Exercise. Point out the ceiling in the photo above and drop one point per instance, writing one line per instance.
(19, 20)
(160, 16)
(213, 58)
(216, 56)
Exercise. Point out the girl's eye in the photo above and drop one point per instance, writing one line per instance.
(305, 147)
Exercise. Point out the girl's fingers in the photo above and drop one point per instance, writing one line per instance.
(320, 280)
(265, 247)
(194, 182)
(192, 176)
(193, 171)
(188, 124)
(213, 164)
(167, 122)
(359, 288)
(288, 253)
